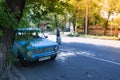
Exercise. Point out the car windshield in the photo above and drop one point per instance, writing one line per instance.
(29, 35)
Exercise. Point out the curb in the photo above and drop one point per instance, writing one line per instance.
(15, 74)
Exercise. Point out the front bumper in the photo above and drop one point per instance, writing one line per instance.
(36, 57)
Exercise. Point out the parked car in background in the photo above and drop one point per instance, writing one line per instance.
(31, 45)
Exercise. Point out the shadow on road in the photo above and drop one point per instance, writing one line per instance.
(76, 62)
(85, 49)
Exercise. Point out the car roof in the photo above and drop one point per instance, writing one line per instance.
(28, 29)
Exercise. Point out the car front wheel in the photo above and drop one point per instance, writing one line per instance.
(21, 60)
(53, 57)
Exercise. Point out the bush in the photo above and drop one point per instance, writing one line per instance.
(73, 35)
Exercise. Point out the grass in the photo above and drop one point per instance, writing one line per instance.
(94, 36)
(87, 36)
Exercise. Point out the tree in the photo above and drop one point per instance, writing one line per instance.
(75, 10)
(39, 11)
(78, 10)
(11, 12)
(111, 7)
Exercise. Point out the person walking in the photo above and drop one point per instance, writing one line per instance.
(58, 38)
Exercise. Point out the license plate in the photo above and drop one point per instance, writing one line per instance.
(44, 58)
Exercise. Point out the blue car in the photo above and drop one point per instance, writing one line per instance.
(31, 45)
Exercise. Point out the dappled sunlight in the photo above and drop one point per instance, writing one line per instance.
(70, 39)
(85, 53)
(63, 56)
(67, 53)
(78, 46)
(98, 42)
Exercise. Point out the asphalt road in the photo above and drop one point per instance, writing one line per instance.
(79, 59)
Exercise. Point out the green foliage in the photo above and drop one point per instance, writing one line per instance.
(22, 37)
(73, 35)
(78, 8)
(12, 58)
(99, 37)
(1, 34)
(40, 11)
(112, 9)
(7, 18)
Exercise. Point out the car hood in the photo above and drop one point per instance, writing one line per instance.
(37, 43)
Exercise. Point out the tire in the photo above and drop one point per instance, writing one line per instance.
(21, 60)
(53, 57)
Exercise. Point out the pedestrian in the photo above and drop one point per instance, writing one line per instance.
(58, 38)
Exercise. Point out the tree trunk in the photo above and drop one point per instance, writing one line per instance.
(6, 41)
(56, 24)
(5, 49)
(16, 6)
(74, 23)
(84, 24)
(106, 23)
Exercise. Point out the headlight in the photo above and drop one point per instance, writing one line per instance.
(56, 48)
(29, 53)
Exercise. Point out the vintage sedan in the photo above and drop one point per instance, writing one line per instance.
(31, 45)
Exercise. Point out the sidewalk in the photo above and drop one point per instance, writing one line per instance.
(15, 74)
(87, 40)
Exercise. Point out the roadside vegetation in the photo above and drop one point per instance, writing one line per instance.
(94, 36)
(51, 14)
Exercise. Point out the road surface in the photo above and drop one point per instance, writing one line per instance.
(79, 59)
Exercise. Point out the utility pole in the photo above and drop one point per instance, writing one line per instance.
(86, 18)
